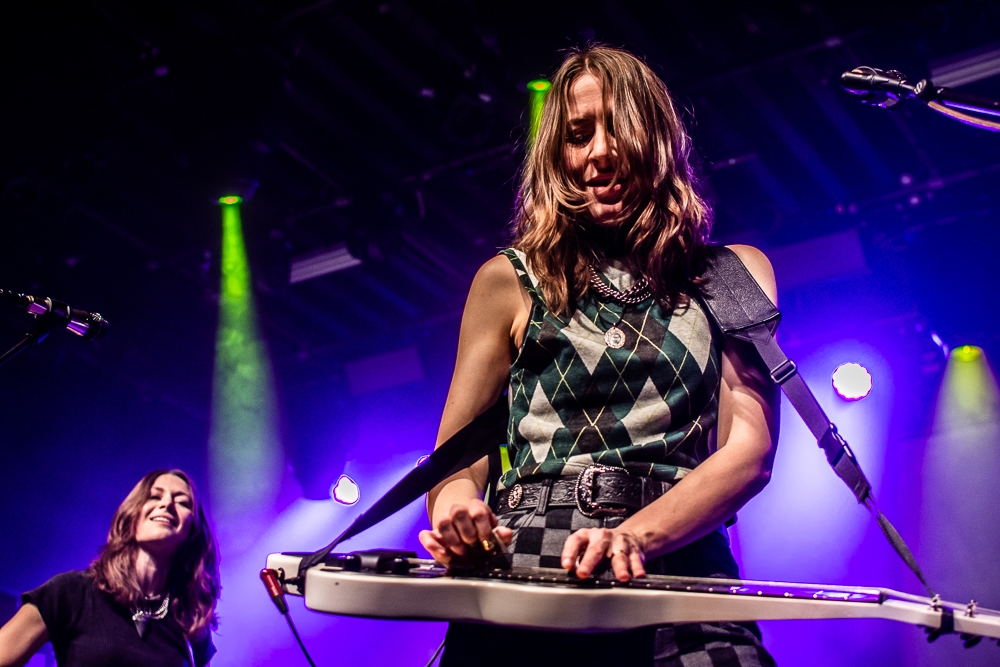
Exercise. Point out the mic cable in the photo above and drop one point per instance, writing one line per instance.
(271, 582)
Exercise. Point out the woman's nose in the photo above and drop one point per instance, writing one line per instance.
(601, 150)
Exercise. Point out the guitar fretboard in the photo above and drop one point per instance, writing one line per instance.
(555, 577)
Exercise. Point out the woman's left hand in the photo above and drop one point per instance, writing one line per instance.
(587, 547)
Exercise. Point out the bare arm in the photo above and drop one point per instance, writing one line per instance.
(495, 317)
(22, 636)
(716, 489)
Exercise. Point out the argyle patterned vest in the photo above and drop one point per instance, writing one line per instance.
(648, 406)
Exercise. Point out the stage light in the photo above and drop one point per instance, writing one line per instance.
(230, 200)
(969, 392)
(967, 353)
(346, 491)
(538, 90)
(852, 381)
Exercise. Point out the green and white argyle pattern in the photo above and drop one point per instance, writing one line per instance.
(648, 406)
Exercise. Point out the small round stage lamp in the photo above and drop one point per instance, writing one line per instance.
(967, 353)
(230, 200)
(346, 491)
(852, 381)
(539, 86)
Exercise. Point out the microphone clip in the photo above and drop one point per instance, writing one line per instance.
(887, 89)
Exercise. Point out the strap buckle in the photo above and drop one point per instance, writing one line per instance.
(586, 492)
(784, 372)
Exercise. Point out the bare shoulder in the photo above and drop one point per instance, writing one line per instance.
(496, 283)
(759, 267)
(498, 300)
(497, 273)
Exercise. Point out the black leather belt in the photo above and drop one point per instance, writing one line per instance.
(597, 491)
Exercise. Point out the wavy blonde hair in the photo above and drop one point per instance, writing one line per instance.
(193, 580)
(666, 222)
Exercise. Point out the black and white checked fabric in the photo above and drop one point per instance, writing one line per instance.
(687, 645)
(538, 542)
(539, 539)
(709, 645)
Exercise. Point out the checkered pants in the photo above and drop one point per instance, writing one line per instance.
(538, 542)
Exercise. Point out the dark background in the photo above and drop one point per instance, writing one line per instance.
(398, 128)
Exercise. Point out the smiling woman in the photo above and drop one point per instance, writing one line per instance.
(148, 598)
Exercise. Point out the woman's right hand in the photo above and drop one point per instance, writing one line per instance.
(466, 535)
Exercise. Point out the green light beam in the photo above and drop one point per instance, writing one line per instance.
(538, 90)
(969, 393)
(244, 447)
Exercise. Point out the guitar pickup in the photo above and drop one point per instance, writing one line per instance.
(377, 561)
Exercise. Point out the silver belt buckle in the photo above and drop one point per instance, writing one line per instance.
(514, 496)
(586, 490)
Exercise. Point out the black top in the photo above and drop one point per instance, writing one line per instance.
(88, 628)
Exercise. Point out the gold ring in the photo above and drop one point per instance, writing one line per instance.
(488, 545)
(615, 552)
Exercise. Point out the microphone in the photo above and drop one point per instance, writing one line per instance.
(270, 579)
(91, 326)
(887, 89)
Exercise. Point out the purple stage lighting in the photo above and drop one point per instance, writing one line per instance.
(852, 381)
(346, 491)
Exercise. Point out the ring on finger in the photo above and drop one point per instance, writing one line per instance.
(488, 544)
(615, 552)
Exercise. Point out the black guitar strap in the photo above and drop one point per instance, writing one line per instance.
(739, 307)
(477, 439)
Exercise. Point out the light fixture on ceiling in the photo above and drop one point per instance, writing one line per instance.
(322, 262)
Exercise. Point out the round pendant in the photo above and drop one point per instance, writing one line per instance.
(614, 338)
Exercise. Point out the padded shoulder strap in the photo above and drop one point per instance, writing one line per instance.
(740, 308)
(733, 297)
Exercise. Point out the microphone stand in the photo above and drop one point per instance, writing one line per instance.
(43, 326)
(890, 90)
(947, 101)
(966, 102)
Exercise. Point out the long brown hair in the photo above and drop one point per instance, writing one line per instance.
(193, 580)
(669, 221)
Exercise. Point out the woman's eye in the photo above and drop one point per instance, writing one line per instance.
(579, 139)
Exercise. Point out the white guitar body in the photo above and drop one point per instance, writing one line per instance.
(548, 599)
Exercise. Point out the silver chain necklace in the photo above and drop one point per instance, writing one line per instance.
(637, 293)
(141, 616)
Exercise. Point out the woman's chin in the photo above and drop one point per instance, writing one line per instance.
(606, 215)
(160, 543)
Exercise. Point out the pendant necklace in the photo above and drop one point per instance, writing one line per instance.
(141, 616)
(637, 293)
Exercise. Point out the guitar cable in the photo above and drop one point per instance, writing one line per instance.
(437, 652)
(270, 579)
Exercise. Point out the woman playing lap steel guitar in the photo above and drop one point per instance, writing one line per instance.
(615, 377)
